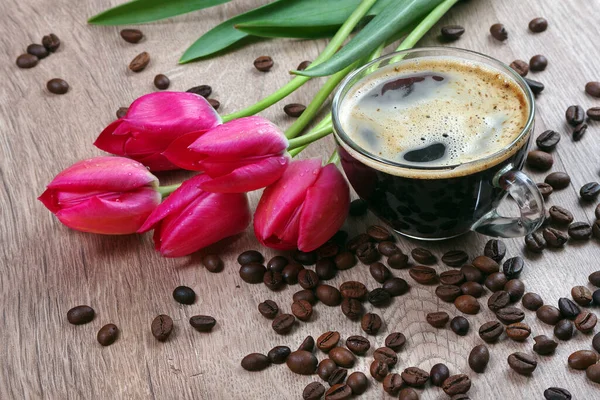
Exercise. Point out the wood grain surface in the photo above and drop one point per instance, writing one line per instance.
(47, 268)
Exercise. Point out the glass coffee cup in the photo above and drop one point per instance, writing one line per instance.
(433, 139)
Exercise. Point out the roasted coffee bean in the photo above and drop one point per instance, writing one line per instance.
(358, 382)
(396, 286)
(283, 323)
(214, 103)
(161, 82)
(538, 63)
(57, 86)
(342, 357)
(387, 248)
(455, 258)
(537, 25)
(448, 293)
(467, 304)
(596, 297)
(593, 373)
(568, 308)
(398, 260)
(358, 208)
(415, 377)
(535, 86)
(338, 392)
(520, 67)
(51, 42)
(586, 321)
(479, 358)
(302, 310)
(37, 50)
(532, 301)
(544, 345)
(252, 272)
(386, 355)
(513, 267)
(593, 89)
(302, 362)
(290, 273)
(459, 325)
(27, 61)
(460, 396)
(379, 272)
(579, 131)
(392, 384)
(558, 180)
(452, 32)
(499, 32)
(438, 374)
(498, 300)
(303, 65)
(438, 319)
(80, 315)
(326, 368)
(263, 63)
(313, 391)
(132, 35)
(184, 295)
(354, 290)
(344, 260)
(161, 327)
(203, 323)
(495, 249)
(564, 329)
(367, 253)
(122, 112)
(582, 359)
(535, 242)
(522, 363)
(357, 241)
(554, 237)
(496, 281)
(594, 278)
(277, 263)
(329, 295)
(249, 256)
(379, 297)
(308, 279)
(472, 274)
(328, 341)
(575, 115)
(212, 263)
(408, 394)
(395, 341)
(472, 288)
(555, 393)
(305, 294)
(337, 376)
(486, 265)
(273, 280)
(510, 315)
(548, 314)
(423, 275)
(581, 295)
(352, 309)
(359, 345)
(452, 277)
(423, 256)
(279, 354)
(294, 110)
(371, 323)
(379, 370)
(255, 362)
(140, 62)
(307, 344)
(268, 309)
(456, 384)
(545, 189)
(491, 331)
(515, 289)
(580, 231)
(379, 233)
(590, 191)
(540, 160)
(548, 140)
(594, 113)
(518, 331)
(108, 334)
(305, 258)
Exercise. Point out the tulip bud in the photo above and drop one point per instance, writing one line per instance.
(240, 155)
(304, 208)
(153, 122)
(190, 218)
(107, 195)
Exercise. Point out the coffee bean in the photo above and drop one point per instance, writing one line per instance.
(594, 278)
(27, 61)
(448, 293)
(460, 396)
(545, 189)
(510, 315)
(358, 382)
(452, 32)
(423, 256)
(213, 263)
(394, 341)
(255, 362)
(371, 323)
(313, 391)
(515, 289)
(532, 301)
(202, 323)
(522, 363)
(544, 345)
(594, 113)
(328, 250)
(438, 374)
(496, 281)
(305, 258)
(548, 314)
(132, 35)
(80, 315)
(263, 63)
(290, 273)
(575, 115)
(184, 295)
(520, 67)
(302, 310)
(535, 86)
(398, 260)
(495, 249)
(307, 344)
(51, 42)
(518, 331)
(459, 325)
(540, 160)
(498, 300)
(303, 65)
(305, 294)
(122, 112)
(278, 354)
(580, 231)
(354, 290)
(294, 109)
(596, 297)
(283, 323)
(479, 358)
(326, 269)
(467, 304)
(352, 309)
(329, 295)
(535, 242)
(558, 180)
(367, 253)
(392, 384)
(37, 50)
(547, 140)
(593, 89)
(455, 258)
(342, 357)
(554, 237)
(252, 272)
(358, 208)
(590, 191)
(326, 368)
(214, 103)
(345, 260)
(498, 32)
(379, 297)
(357, 241)
(161, 327)
(513, 267)
(308, 279)
(415, 377)
(386, 355)
(379, 233)
(302, 362)
(379, 272)
(139, 62)
(408, 394)
(538, 25)
(579, 131)
(337, 376)
(472, 288)
(538, 63)
(564, 329)
(568, 308)
(387, 248)
(456, 384)
(438, 319)
(472, 274)
(328, 341)
(338, 392)
(555, 393)
(491, 331)
(452, 277)
(250, 255)
(582, 359)
(423, 275)
(108, 334)
(586, 321)
(593, 373)
(273, 280)
(581, 295)
(268, 309)
(560, 215)
(378, 370)
(486, 265)
(161, 82)
(57, 86)
(359, 345)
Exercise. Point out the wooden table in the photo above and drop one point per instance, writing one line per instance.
(47, 268)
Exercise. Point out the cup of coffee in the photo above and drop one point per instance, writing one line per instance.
(435, 138)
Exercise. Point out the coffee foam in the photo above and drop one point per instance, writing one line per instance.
(475, 111)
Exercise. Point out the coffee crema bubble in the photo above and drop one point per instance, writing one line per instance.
(435, 112)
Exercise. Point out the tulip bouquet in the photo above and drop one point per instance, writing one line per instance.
(304, 202)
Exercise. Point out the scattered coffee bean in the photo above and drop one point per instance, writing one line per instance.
(308, 279)
(307, 344)
(467, 304)
(203, 323)
(250, 255)
(252, 272)
(338, 392)
(387, 355)
(302, 362)
(498, 300)
(547, 140)
(580, 231)
(294, 109)
(538, 25)
(590, 191)
(290, 273)
(423, 275)
(579, 131)
(379, 233)
(213, 263)
(313, 391)
(438, 374)
(398, 260)
(357, 241)
(326, 269)
(396, 286)
(594, 278)
(305, 294)
(263, 63)
(184, 295)
(51, 42)
(394, 341)
(538, 63)
(273, 280)
(337, 376)
(548, 314)
(564, 329)
(371, 323)
(354, 290)
(495, 249)
(535, 242)
(27, 61)
(496, 281)
(352, 309)
(596, 297)
(359, 345)
(568, 308)
(474, 289)
(303, 65)
(328, 341)
(491, 331)
(37, 50)
(283, 323)
(423, 256)
(510, 315)
(532, 301)
(367, 253)
(108, 334)
(161, 327)
(379, 297)
(486, 265)
(57, 86)
(268, 309)
(518, 331)
(520, 67)
(515, 289)
(544, 345)
(345, 260)
(305, 257)
(132, 35)
(448, 293)
(387, 248)
(255, 362)
(513, 267)
(140, 62)
(522, 363)
(593, 89)
(329, 295)
(560, 215)
(358, 382)
(279, 354)
(452, 277)
(545, 189)
(452, 32)
(593, 373)
(459, 325)
(498, 32)
(122, 112)
(558, 180)
(575, 115)
(586, 321)
(438, 319)
(392, 384)
(582, 359)
(80, 315)
(456, 384)
(479, 358)
(302, 310)
(472, 274)
(379, 272)
(554, 237)
(326, 368)
(581, 295)
(540, 160)
(378, 370)
(161, 82)
(594, 113)
(455, 258)
(329, 250)
(408, 394)
(415, 377)
(214, 103)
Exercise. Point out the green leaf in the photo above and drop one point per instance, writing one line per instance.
(140, 11)
(394, 17)
(264, 29)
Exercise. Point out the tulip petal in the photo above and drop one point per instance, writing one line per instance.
(179, 154)
(325, 209)
(157, 162)
(109, 142)
(247, 178)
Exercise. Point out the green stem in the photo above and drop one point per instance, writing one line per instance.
(167, 190)
(335, 158)
(297, 150)
(310, 137)
(337, 40)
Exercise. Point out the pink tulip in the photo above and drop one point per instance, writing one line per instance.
(108, 195)
(190, 218)
(155, 120)
(304, 208)
(240, 155)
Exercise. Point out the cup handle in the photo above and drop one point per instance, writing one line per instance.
(529, 199)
